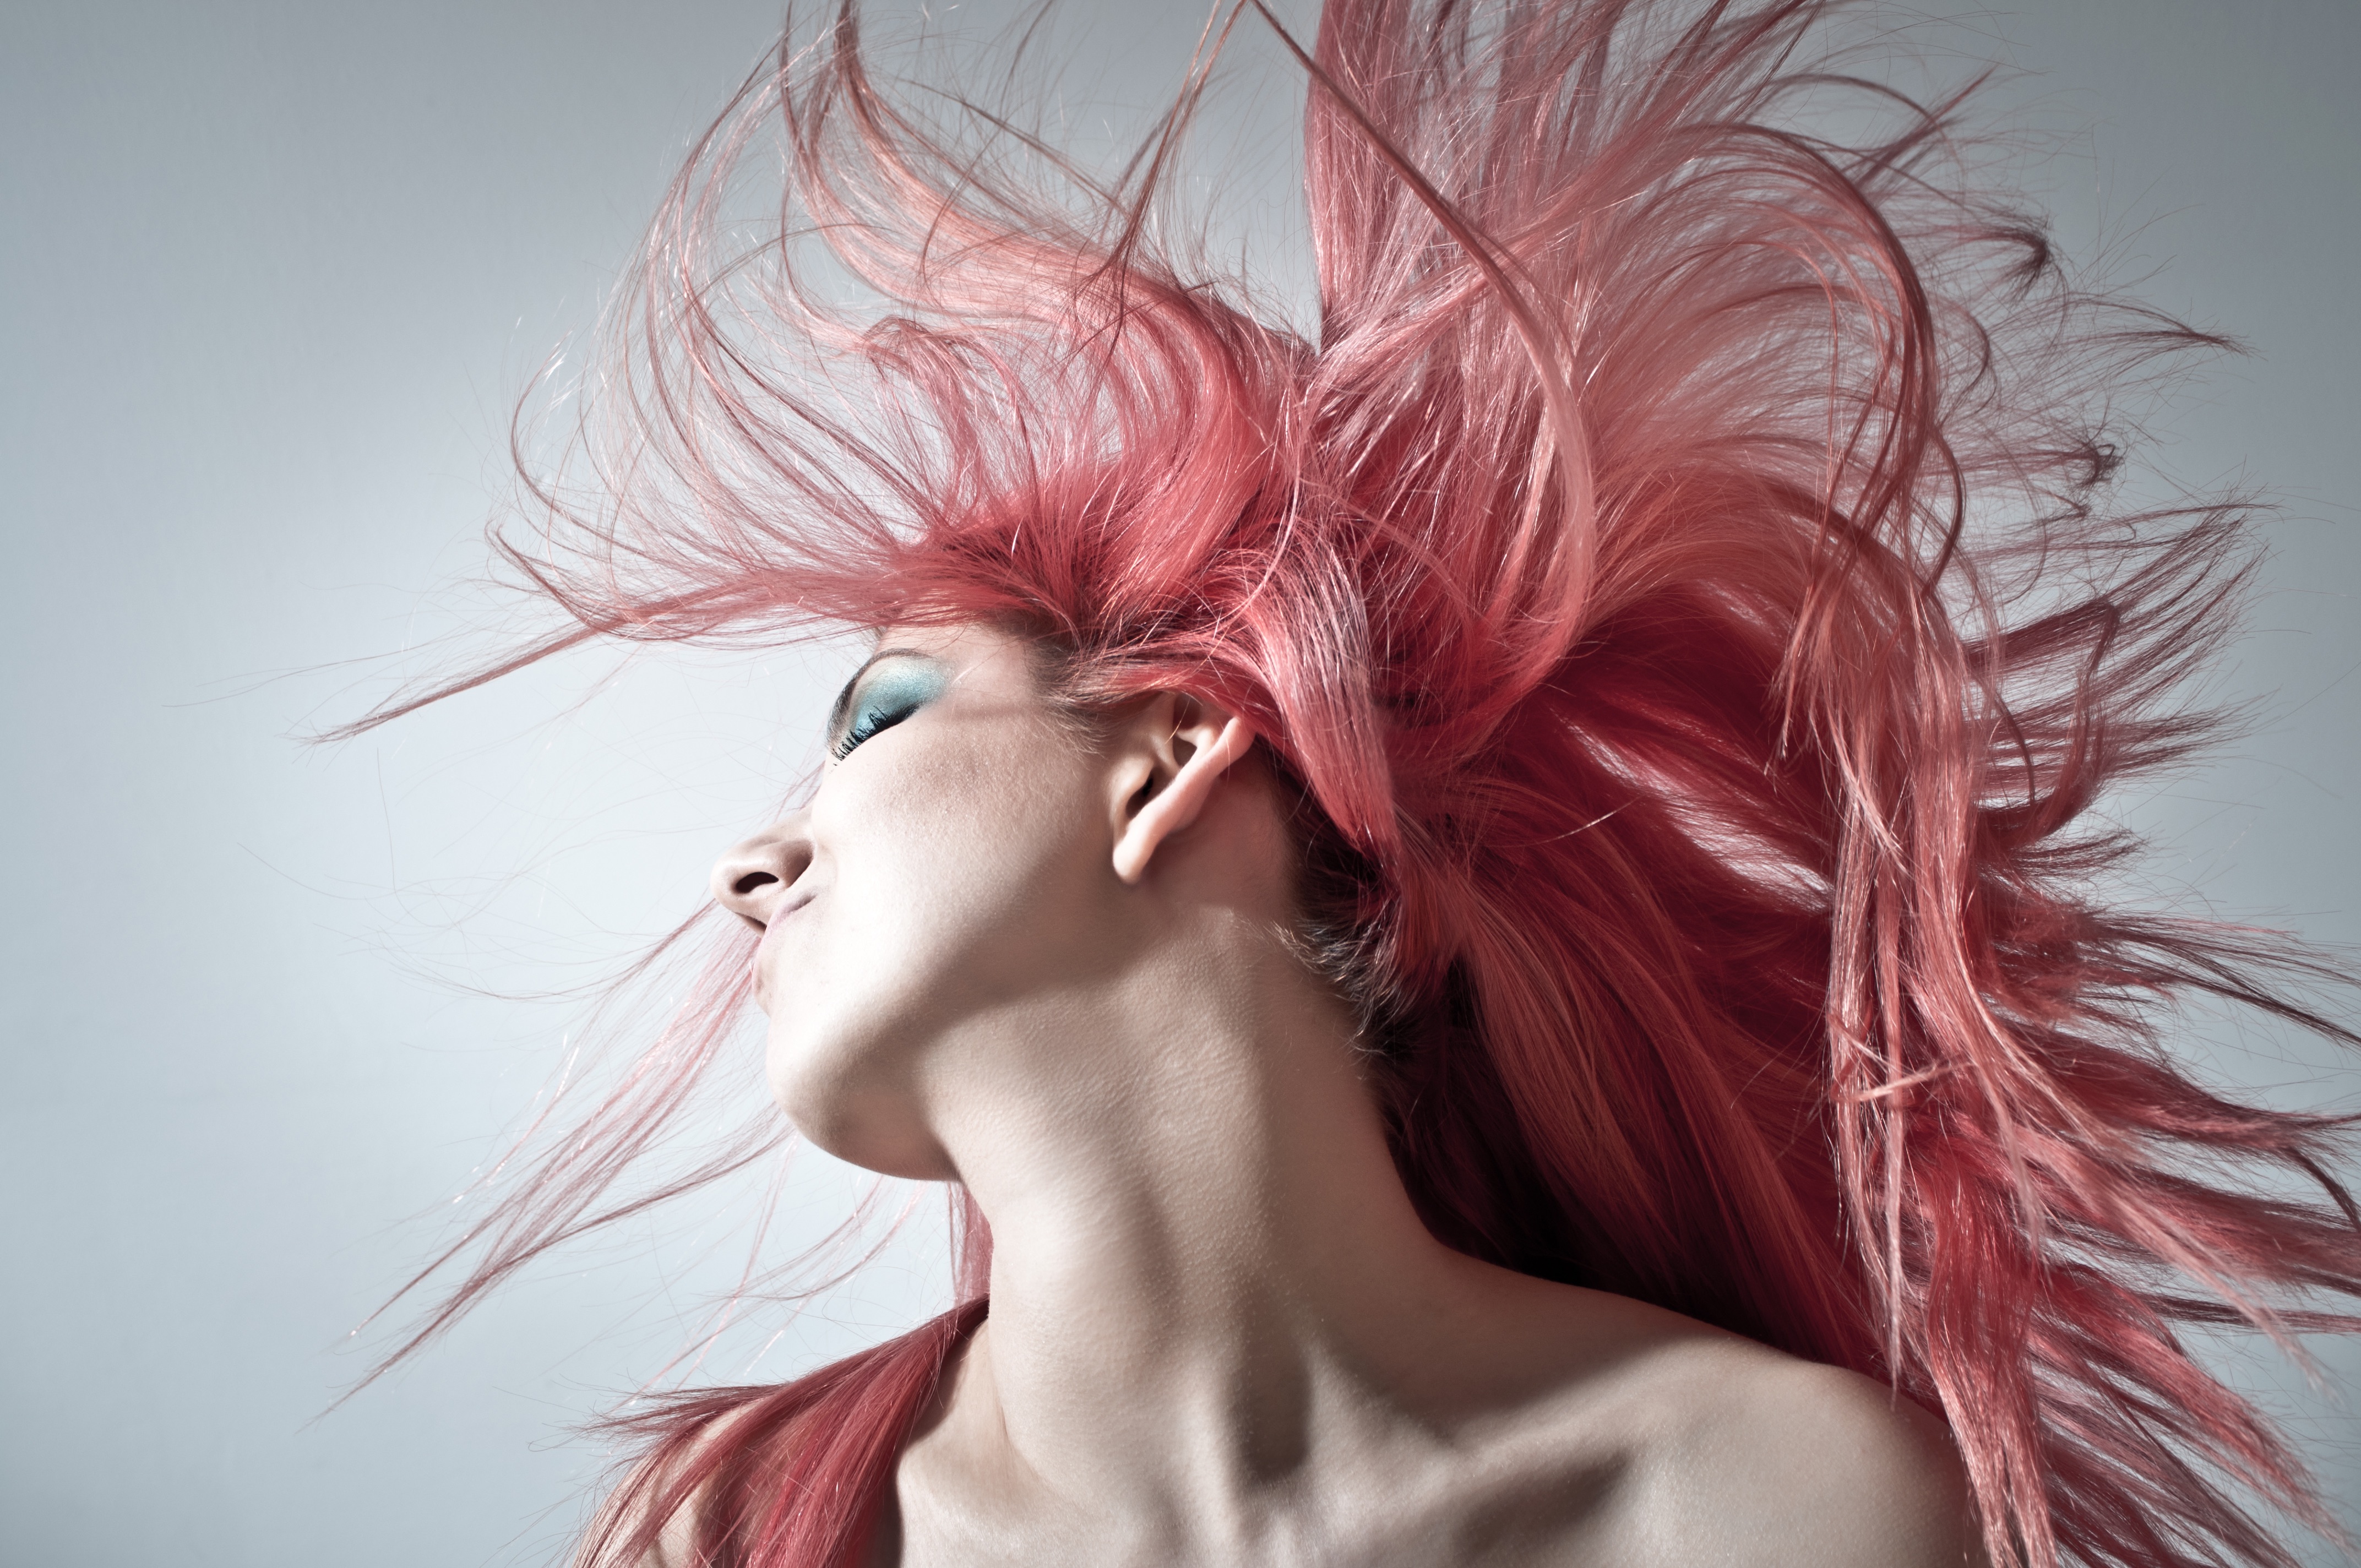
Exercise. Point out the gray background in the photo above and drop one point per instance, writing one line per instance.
(270, 276)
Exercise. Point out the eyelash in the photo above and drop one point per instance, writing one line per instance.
(863, 728)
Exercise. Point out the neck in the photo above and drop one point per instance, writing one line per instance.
(1203, 1255)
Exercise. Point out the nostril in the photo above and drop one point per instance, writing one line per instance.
(750, 881)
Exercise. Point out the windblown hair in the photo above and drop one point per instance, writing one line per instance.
(1680, 584)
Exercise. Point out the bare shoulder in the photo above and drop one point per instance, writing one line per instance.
(1753, 1457)
(1636, 1437)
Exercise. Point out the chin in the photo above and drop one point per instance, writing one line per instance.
(842, 1097)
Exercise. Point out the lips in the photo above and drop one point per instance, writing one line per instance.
(794, 899)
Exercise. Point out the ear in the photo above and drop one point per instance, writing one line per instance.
(1170, 758)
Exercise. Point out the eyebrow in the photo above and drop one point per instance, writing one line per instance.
(836, 714)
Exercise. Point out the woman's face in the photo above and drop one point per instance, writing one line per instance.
(950, 880)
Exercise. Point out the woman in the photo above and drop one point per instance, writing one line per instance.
(1492, 908)
(1219, 1330)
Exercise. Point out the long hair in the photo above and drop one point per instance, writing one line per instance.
(1680, 579)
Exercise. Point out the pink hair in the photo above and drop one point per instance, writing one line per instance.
(1679, 580)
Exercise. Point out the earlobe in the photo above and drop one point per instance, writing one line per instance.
(1218, 740)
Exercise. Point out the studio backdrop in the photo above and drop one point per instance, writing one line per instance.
(273, 276)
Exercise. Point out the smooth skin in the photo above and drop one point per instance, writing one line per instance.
(1057, 969)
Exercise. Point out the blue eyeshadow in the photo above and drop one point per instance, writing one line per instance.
(883, 695)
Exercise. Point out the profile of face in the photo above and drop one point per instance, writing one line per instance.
(970, 888)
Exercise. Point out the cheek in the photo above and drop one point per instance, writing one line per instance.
(961, 875)
(954, 847)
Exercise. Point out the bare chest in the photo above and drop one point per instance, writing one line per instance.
(1483, 1510)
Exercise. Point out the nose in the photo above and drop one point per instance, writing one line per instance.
(757, 873)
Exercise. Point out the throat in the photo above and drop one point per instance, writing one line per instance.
(1205, 1270)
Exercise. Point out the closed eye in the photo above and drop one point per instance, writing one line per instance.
(868, 720)
(893, 685)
